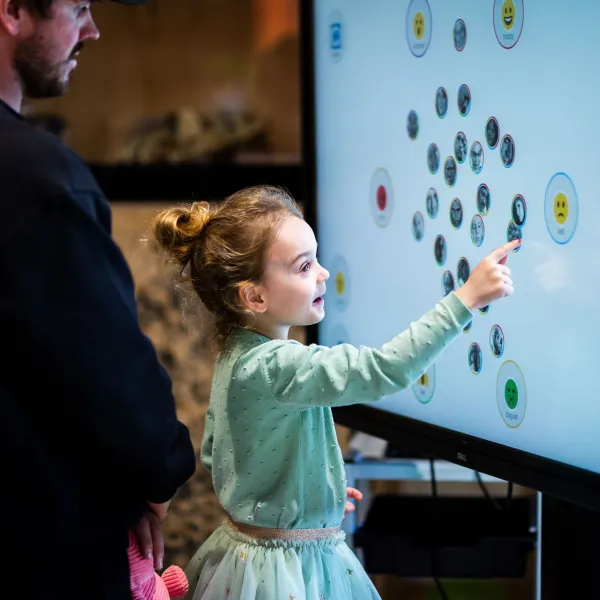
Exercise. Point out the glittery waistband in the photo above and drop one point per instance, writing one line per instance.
(267, 533)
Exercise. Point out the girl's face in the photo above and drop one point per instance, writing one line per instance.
(293, 284)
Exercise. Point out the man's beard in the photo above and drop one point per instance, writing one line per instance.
(39, 77)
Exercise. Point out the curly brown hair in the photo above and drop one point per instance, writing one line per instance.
(223, 247)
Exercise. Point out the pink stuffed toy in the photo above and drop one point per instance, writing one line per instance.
(145, 581)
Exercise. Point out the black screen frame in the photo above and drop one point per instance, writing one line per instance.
(563, 481)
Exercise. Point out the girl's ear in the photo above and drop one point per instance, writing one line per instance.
(253, 297)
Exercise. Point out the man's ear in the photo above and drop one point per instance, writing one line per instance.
(253, 297)
(13, 18)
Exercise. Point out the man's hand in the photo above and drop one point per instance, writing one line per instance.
(353, 494)
(150, 537)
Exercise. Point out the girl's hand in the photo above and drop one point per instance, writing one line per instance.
(354, 494)
(150, 537)
(490, 279)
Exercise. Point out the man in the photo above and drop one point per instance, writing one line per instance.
(90, 444)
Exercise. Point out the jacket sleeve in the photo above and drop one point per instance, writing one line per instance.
(306, 376)
(69, 298)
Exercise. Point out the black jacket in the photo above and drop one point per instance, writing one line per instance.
(88, 429)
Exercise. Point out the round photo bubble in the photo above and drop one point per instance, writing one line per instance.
(412, 125)
(477, 230)
(450, 171)
(381, 198)
(475, 357)
(492, 132)
(484, 310)
(456, 213)
(432, 203)
(418, 27)
(463, 271)
(507, 151)
(484, 199)
(424, 387)
(509, 16)
(448, 283)
(497, 341)
(441, 102)
(561, 208)
(461, 148)
(476, 157)
(340, 274)
(440, 250)
(519, 210)
(464, 100)
(418, 226)
(433, 158)
(514, 233)
(459, 35)
(336, 36)
(511, 393)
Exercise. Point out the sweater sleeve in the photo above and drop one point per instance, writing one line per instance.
(307, 376)
(68, 302)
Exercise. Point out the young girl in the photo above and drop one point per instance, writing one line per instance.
(270, 441)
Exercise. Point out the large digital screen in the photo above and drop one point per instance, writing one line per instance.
(442, 130)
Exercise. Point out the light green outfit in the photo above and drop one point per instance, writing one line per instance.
(271, 446)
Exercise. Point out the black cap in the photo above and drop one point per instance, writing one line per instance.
(130, 1)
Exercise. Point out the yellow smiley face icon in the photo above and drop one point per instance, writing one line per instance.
(340, 284)
(419, 25)
(561, 208)
(508, 14)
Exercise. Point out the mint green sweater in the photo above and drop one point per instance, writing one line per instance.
(270, 442)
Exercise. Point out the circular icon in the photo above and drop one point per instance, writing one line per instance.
(476, 157)
(507, 151)
(497, 341)
(450, 171)
(432, 203)
(418, 226)
(382, 198)
(459, 35)
(477, 230)
(440, 250)
(484, 199)
(511, 394)
(519, 210)
(509, 16)
(412, 125)
(441, 102)
(475, 358)
(460, 147)
(418, 27)
(467, 327)
(561, 208)
(456, 213)
(463, 271)
(464, 100)
(492, 132)
(484, 310)
(337, 34)
(424, 387)
(514, 233)
(433, 158)
(447, 283)
(341, 278)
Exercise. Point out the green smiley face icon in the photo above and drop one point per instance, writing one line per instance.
(511, 394)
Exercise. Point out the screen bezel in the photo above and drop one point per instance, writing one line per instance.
(560, 480)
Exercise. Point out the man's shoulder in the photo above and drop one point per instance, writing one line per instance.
(37, 163)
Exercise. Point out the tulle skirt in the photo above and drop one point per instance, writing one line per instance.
(232, 565)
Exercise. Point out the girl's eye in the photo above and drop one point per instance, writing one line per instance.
(305, 268)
